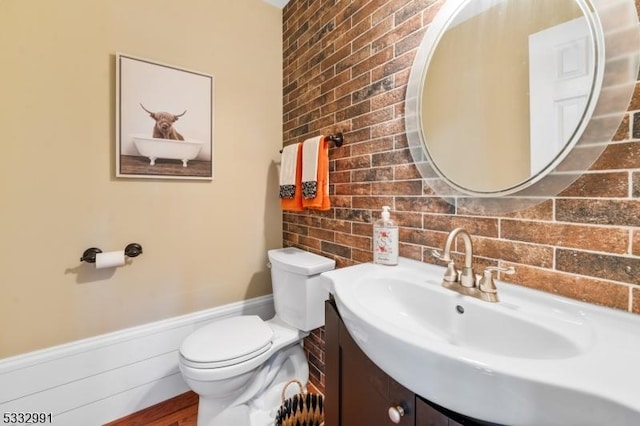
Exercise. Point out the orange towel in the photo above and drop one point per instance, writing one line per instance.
(321, 201)
(295, 204)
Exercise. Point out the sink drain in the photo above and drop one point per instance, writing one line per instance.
(460, 309)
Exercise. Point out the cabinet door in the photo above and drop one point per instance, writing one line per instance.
(426, 415)
(367, 392)
(358, 393)
(364, 392)
(331, 365)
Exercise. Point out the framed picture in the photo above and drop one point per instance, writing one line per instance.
(164, 121)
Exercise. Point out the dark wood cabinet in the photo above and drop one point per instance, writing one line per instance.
(357, 392)
(428, 415)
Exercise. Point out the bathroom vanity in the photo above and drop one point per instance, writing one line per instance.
(358, 392)
(533, 358)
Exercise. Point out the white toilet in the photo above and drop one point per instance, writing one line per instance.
(239, 365)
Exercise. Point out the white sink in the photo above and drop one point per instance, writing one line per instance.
(530, 359)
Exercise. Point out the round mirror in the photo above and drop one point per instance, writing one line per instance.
(502, 92)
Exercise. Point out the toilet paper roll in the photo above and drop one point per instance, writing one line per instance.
(110, 259)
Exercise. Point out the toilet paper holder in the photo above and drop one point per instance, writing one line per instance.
(131, 250)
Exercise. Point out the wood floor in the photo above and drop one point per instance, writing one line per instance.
(179, 411)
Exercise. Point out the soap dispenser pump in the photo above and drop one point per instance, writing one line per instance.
(385, 239)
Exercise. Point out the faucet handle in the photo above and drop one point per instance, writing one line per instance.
(438, 255)
(451, 274)
(486, 284)
(510, 270)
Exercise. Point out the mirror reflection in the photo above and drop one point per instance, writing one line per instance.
(506, 90)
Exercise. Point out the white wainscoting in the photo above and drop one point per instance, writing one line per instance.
(103, 378)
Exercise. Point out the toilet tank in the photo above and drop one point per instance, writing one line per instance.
(298, 293)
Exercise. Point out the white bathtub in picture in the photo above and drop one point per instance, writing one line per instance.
(154, 148)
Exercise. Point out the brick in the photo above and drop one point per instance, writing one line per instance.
(486, 227)
(360, 83)
(410, 251)
(374, 117)
(421, 237)
(373, 89)
(574, 286)
(604, 266)
(362, 256)
(337, 249)
(356, 215)
(406, 171)
(354, 241)
(600, 212)
(406, 219)
(424, 204)
(391, 158)
(371, 202)
(350, 163)
(362, 229)
(374, 33)
(513, 251)
(354, 58)
(390, 97)
(373, 61)
(599, 185)
(624, 130)
(391, 127)
(616, 156)
(408, 187)
(336, 225)
(607, 239)
(369, 175)
(372, 146)
(322, 234)
(635, 242)
(309, 243)
(393, 66)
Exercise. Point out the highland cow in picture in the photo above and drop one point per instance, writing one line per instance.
(163, 129)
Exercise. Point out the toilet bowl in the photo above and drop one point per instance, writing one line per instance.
(239, 366)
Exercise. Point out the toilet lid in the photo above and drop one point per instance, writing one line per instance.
(227, 342)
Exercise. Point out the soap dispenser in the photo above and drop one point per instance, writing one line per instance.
(385, 239)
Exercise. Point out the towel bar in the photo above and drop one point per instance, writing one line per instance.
(337, 139)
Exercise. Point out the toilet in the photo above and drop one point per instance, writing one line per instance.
(239, 365)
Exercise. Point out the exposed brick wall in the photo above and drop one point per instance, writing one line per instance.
(346, 67)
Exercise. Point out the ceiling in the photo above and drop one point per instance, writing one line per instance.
(278, 3)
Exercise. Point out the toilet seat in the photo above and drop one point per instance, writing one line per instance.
(227, 342)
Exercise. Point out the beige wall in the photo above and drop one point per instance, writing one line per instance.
(204, 242)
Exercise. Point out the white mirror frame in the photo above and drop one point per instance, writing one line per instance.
(616, 34)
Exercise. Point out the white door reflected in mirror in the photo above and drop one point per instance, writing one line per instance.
(560, 81)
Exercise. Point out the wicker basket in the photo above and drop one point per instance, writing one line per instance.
(303, 408)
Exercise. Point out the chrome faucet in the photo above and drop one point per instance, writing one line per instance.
(464, 281)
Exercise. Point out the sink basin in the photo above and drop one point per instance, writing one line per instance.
(435, 312)
(531, 359)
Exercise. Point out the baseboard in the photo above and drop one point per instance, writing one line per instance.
(103, 378)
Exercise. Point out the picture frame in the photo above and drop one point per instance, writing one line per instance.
(164, 121)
